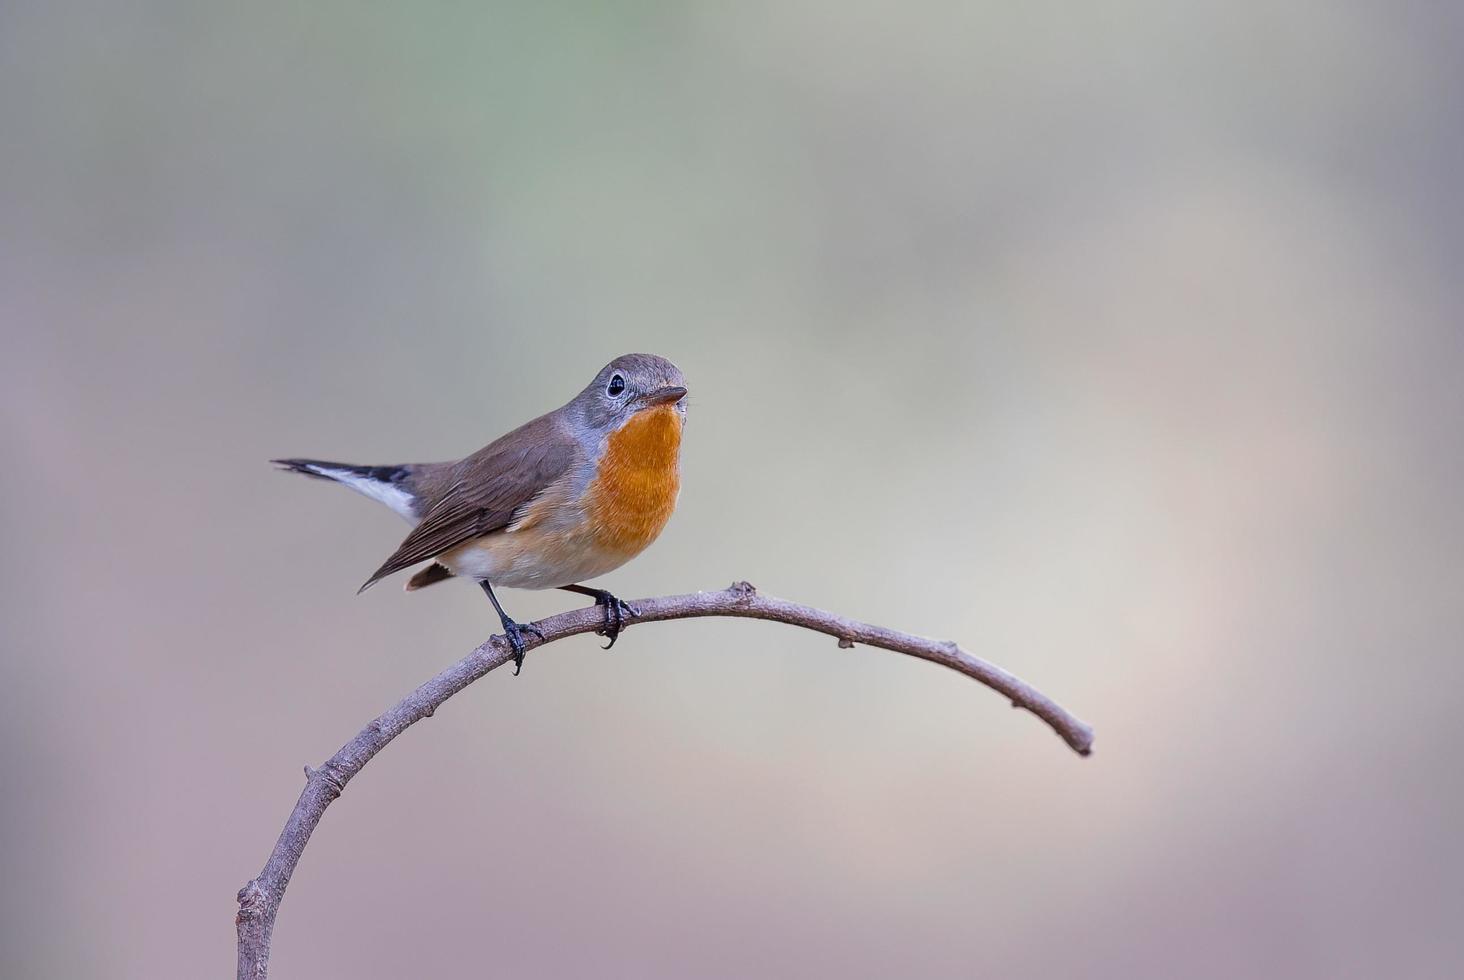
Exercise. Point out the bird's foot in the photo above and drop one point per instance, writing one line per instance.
(617, 611)
(514, 632)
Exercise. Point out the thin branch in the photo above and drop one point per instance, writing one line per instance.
(259, 900)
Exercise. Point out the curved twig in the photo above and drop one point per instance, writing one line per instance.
(259, 900)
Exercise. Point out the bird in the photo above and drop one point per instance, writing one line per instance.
(569, 496)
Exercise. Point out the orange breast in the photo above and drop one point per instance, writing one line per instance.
(632, 496)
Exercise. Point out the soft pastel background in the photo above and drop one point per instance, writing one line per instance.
(1120, 341)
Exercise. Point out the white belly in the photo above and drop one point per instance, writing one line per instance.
(531, 559)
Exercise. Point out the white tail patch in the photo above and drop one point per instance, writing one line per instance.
(384, 493)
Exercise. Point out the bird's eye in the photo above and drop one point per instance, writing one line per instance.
(616, 386)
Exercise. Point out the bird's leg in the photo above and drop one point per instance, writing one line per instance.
(616, 610)
(512, 630)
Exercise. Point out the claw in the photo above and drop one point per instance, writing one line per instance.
(515, 634)
(616, 612)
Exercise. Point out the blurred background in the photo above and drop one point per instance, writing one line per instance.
(1119, 342)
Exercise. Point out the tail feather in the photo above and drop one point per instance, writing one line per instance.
(430, 575)
(321, 469)
(389, 485)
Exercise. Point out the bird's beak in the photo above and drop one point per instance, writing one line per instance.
(665, 396)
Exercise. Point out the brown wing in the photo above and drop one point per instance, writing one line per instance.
(485, 493)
